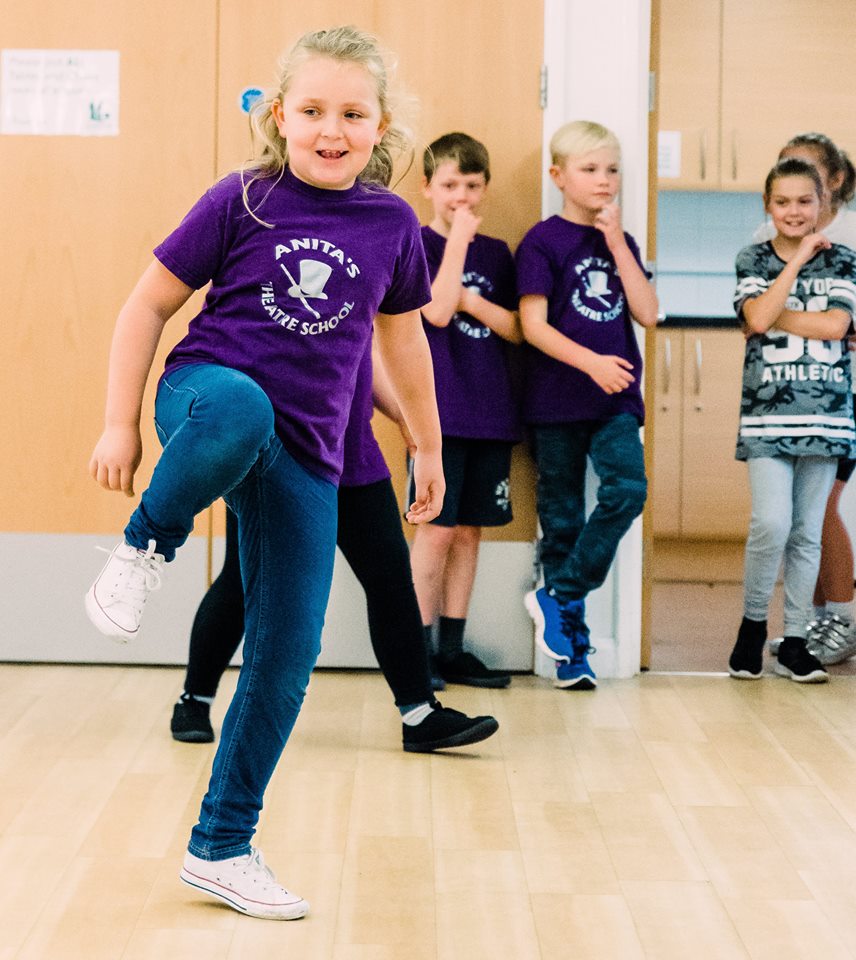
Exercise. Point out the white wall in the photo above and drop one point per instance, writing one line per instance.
(597, 59)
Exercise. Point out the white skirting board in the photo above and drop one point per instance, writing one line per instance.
(45, 576)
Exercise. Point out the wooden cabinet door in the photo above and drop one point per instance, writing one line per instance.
(714, 486)
(787, 67)
(689, 89)
(80, 218)
(664, 433)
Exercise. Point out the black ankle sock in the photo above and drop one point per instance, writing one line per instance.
(752, 630)
(451, 641)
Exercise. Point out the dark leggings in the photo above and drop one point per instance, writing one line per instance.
(371, 540)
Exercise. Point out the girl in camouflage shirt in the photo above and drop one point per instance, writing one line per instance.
(796, 298)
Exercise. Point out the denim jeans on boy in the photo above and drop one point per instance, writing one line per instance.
(218, 432)
(576, 553)
(789, 497)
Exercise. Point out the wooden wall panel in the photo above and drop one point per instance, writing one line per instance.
(465, 71)
(83, 214)
(80, 217)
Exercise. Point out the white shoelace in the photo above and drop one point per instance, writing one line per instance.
(259, 871)
(143, 575)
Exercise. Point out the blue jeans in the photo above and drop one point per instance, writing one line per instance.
(217, 428)
(789, 497)
(576, 553)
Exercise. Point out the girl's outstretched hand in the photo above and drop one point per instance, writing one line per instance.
(116, 457)
(430, 488)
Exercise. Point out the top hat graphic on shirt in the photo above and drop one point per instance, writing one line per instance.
(313, 277)
(597, 286)
(597, 283)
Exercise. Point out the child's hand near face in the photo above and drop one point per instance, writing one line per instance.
(608, 221)
(465, 224)
(810, 245)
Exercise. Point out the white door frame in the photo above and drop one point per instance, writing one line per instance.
(597, 68)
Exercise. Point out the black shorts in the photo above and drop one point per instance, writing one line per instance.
(845, 469)
(477, 484)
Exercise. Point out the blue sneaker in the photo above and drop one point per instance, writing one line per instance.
(562, 634)
(545, 610)
(577, 674)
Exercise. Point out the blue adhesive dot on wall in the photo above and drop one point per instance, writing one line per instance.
(248, 96)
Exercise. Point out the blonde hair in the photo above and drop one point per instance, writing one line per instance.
(579, 137)
(270, 150)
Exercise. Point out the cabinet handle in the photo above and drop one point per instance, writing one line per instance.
(698, 363)
(702, 154)
(667, 372)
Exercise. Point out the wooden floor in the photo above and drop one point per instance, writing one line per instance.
(660, 817)
(694, 626)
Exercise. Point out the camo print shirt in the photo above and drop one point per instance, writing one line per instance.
(797, 398)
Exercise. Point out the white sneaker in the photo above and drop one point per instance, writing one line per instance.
(246, 884)
(116, 600)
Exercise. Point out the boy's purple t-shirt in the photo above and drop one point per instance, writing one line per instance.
(364, 462)
(472, 374)
(570, 264)
(292, 305)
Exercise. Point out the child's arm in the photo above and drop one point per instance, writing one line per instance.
(641, 297)
(406, 358)
(611, 373)
(156, 297)
(762, 312)
(446, 288)
(503, 322)
(814, 325)
(383, 398)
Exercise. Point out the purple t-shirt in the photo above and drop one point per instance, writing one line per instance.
(364, 462)
(471, 363)
(571, 265)
(292, 306)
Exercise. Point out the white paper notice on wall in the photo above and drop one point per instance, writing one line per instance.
(669, 153)
(60, 92)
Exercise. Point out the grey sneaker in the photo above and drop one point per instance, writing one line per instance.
(832, 640)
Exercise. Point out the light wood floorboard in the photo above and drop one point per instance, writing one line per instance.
(666, 816)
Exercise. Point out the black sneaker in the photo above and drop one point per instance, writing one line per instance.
(747, 658)
(469, 670)
(191, 722)
(446, 728)
(796, 663)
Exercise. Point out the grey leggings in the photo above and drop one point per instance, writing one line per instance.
(789, 497)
